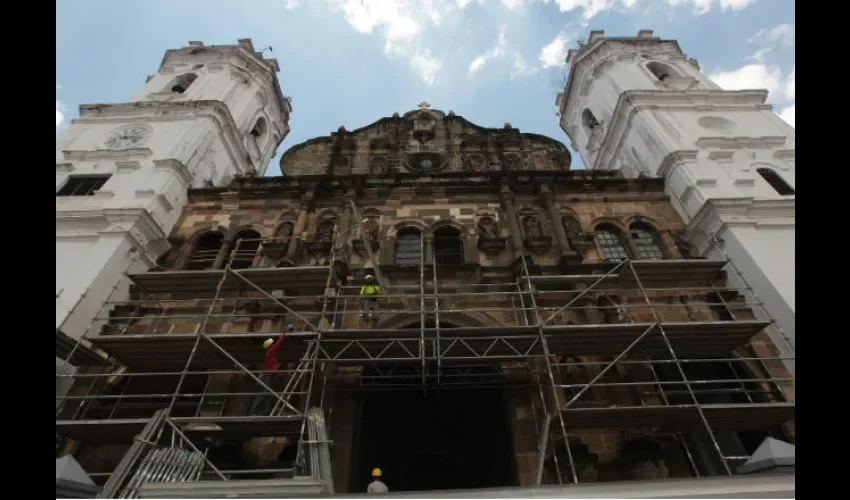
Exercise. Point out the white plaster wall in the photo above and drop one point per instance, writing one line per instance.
(704, 163)
(765, 258)
(123, 227)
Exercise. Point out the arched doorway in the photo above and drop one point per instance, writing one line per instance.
(454, 439)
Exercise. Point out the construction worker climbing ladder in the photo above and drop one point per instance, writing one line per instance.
(263, 403)
(369, 294)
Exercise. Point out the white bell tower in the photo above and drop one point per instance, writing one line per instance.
(123, 170)
(639, 105)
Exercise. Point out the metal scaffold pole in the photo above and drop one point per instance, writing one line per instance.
(547, 357)
(681, 370)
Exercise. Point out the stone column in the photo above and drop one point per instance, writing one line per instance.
(307, 204)
(506, 196)
(547, 199)
(183, 255)
(428, 255)
(345, 220)
(222, 254)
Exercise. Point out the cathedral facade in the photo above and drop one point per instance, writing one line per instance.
(536, 325)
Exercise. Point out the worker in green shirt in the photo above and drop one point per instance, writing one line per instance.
(369, 294)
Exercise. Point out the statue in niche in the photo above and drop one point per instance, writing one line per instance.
(372, 227)
(572, 227)
(490, 240)
(531, 225)
(325, 231)
(487, 227)
(476, 163)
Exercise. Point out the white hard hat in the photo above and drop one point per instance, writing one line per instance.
(369, 276)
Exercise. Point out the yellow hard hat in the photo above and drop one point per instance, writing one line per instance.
(268, 343)
(376, 472)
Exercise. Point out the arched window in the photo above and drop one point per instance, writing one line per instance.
(611, 241)
(408, 247)
(244, 254)
(647, 242)
(660, 71)
(448, 247)
(206, 250)
(182, 82)
(260, 129)
(588, 121)
(776, 182)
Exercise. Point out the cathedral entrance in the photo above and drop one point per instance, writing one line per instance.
(456, 439)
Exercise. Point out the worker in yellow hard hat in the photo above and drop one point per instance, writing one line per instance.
(369, 294)
(377, 486)
(263, 402)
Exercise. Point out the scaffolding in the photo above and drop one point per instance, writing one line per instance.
(566, 337)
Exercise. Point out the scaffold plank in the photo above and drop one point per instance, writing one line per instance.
(689, 339)
(681, 271)
(307, 280)
(727, 417)
(125, 429)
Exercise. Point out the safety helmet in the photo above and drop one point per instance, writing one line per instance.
(369, 276)
(268, 343)
(376, 472)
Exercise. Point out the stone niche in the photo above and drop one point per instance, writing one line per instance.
(490, 239)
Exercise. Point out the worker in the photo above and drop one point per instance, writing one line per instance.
(369, 295)
(377, 486)
(263, 402)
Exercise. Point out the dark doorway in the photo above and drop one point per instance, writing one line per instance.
(455, 440)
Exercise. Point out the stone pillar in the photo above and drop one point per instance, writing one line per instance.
(506, 196)
(222, 254)
(428, 255)
(307, 204)
(183, 256)
(345, 220)
(547, 199)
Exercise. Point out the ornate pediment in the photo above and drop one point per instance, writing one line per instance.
(423, 142)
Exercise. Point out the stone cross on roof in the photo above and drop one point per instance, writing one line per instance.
(424, 104)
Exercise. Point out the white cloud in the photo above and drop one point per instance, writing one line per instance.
(496, 52)
(788, 114)
(521, 68)
(749, 77)
(396, 17)
(60, 109)
(426, 66)
(759, 55)
(782, 33)
(511, 4)
(555, 53)
(705, 6)
(290, 4)
(791, 84)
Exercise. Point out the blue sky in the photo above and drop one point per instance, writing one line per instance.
(351, 62)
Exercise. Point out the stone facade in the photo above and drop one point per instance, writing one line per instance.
(486, 205)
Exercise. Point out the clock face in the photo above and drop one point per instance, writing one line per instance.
(127, 137)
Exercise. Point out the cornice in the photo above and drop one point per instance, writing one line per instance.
(632, 102)
(153, 111)
(176, 168)
(134, 222)
(717, 214)
(675, 159)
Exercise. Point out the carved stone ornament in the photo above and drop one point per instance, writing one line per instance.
(535, 239)
(378, 165)
(372, 228)
(476, 163)
(489, 239)
(425, 163)
(577, 238)
(513, 161)
(424, 127)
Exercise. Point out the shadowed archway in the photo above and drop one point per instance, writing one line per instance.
(430, 440)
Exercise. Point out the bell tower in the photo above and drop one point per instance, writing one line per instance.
(641, 106)
(123, 170)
